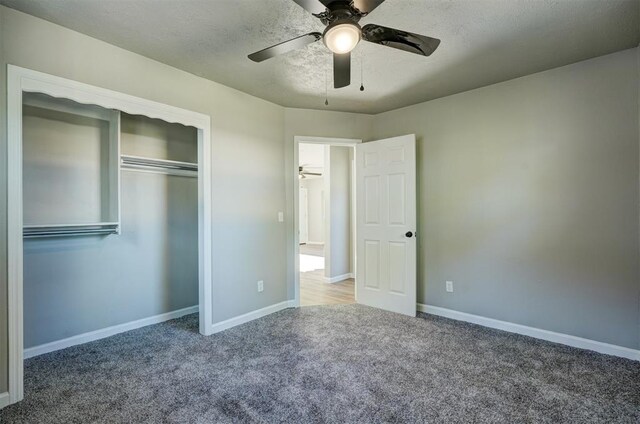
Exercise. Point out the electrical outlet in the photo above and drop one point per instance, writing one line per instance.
(449, 285)
(280, 216)
(260, 286)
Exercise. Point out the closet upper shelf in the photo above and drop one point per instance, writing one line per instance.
(71, 178)
(165, 166)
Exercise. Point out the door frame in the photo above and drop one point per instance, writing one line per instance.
(297, 140)
(21, 80)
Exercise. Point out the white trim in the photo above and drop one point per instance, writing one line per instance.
(351, 142)
(338, 278)
(21, 79)
(106, 332)
(4, 399)
(551, 336)
(250, 316)
(39, 82)
(333, 141)
(70, 108)
(14, 232)
(315, 243)
(205, 235)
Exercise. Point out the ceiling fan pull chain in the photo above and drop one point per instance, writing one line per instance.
(361, 66)
(326, 89)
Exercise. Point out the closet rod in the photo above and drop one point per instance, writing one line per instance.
(69, 230)
(70, 233)
(158, 163)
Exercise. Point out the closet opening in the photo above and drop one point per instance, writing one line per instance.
(110, 210)
(108, 216)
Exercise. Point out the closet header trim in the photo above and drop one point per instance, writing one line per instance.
(34, 81)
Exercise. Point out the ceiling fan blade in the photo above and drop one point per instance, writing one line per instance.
(367, 6)
(284, 47)
(313, 6)
(341, 70)
(398, 39)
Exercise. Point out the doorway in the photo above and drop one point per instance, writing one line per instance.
(383, 222)
(325, 230)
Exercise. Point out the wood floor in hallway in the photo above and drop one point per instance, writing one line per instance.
(315, 291)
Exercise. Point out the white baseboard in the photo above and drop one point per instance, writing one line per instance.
(250, 316)
(338, 278)
(106, 332)
(4, 399)
(565, 339)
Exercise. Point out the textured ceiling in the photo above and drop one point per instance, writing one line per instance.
(483, 42)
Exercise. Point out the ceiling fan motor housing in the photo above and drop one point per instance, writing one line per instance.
(340, 10)
(342, 33)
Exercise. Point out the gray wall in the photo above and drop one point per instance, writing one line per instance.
(143, 136)
(338, 209)
(528, 199)
(65, 159)
(76, 285)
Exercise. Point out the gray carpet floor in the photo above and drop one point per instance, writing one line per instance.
(342, 363)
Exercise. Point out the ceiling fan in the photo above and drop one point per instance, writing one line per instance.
(302, 174)
(343, 33)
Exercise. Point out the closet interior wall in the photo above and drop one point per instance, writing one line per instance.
(149, 266)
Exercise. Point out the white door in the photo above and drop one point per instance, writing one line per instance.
(304, 215)
(386, 224)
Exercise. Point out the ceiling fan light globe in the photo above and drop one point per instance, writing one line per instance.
(342, 38)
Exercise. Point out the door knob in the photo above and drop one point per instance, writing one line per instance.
(408, 234)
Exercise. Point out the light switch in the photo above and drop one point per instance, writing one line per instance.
(280, 216)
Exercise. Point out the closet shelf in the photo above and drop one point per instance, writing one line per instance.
(69, 230)
(172, 167)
